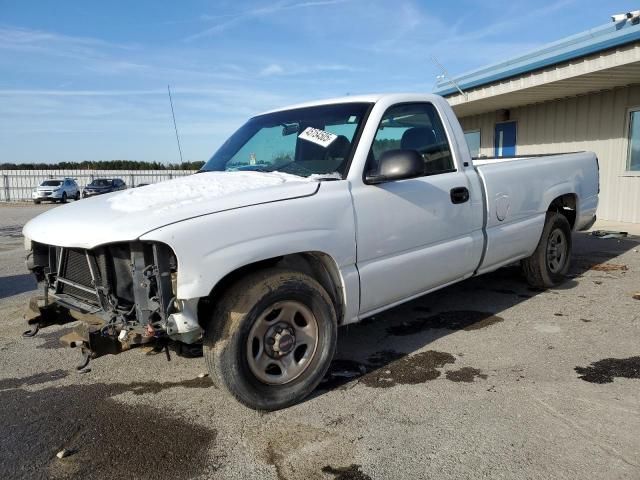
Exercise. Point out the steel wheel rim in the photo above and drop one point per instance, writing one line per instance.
(273, 357)
(557, 248)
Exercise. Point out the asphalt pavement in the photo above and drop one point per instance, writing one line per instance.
(485, 379)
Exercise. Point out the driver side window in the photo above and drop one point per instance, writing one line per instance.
(414, 126)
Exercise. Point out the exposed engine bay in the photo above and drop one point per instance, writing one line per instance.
(123, 293)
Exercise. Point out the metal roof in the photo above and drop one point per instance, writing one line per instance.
(591, 41)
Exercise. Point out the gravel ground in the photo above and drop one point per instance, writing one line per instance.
(483, 379)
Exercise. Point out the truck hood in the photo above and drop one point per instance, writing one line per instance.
(128, 214)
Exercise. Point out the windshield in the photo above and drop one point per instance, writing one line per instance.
(51, 183)
(101, 182)
(306, 141)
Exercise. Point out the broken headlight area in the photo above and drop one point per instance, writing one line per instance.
(124, 294)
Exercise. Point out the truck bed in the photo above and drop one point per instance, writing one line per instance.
(518, 192)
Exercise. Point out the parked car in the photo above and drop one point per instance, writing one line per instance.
(103, 185)
(308, 218)
(56, 190)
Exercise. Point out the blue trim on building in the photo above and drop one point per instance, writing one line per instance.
(592, 41)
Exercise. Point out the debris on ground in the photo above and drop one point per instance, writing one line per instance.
(203, 375)
(65, 453)
(609, 234)
(636, 296)
(608, 267)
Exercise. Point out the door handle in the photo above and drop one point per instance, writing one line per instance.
(459, 195)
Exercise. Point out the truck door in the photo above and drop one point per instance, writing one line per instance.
(416, 234)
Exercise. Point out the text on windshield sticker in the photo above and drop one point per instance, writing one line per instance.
(317, 136)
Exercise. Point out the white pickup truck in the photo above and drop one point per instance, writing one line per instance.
(307, 218)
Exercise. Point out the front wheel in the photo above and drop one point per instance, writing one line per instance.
(549, 263)
(271, 338)
(64, 197)
(77, 196)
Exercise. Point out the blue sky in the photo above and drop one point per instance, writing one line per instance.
(87, 80)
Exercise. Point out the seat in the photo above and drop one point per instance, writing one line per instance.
(437, 156)
(418, 138)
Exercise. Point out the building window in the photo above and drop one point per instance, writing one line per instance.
(473, 141)
(633, 158)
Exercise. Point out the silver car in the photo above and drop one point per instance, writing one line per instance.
(56, 190)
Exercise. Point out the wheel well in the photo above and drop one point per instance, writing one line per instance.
(565, 205)
(320, 266)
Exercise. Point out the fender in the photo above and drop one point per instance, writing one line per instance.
(208, 248)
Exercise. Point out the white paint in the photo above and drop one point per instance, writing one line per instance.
(125, 215)
(156, 199)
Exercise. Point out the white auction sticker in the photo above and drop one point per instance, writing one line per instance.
(317, 136)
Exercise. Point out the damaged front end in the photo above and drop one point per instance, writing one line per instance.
(124, 294)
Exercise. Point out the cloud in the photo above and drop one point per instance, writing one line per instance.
(273, 69)
(230, 20)
(38, 41)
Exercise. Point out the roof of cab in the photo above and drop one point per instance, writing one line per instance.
(368, 98)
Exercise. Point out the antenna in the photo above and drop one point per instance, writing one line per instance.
(445, 74)
(174, 124)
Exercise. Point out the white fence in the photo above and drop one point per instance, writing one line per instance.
(17, 185)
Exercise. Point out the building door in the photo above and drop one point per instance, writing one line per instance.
(505, 139)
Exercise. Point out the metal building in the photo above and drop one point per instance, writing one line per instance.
(580, 93)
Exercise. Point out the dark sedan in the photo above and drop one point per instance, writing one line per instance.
(103, 185)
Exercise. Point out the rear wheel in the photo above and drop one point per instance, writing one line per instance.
(271, 338)
(549, 263)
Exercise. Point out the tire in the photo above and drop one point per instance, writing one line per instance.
(548, 265)
(37, 202)
(77, 196)
(244, 351)
(64, 197)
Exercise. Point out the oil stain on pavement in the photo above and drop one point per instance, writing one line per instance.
(409, 370)
(465, 374)
(453, 320)
(389, 368)
(134, 442)
(108, 439)
(604, 371)
(351, 472)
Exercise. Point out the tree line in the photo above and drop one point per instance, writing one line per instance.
(103, 165)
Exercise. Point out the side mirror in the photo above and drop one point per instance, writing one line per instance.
(397, 165)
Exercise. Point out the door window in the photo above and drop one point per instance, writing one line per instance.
(414, 126)
(473, 141)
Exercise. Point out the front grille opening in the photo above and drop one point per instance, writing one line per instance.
(104, 276)
(76, 267)
(72, 265)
